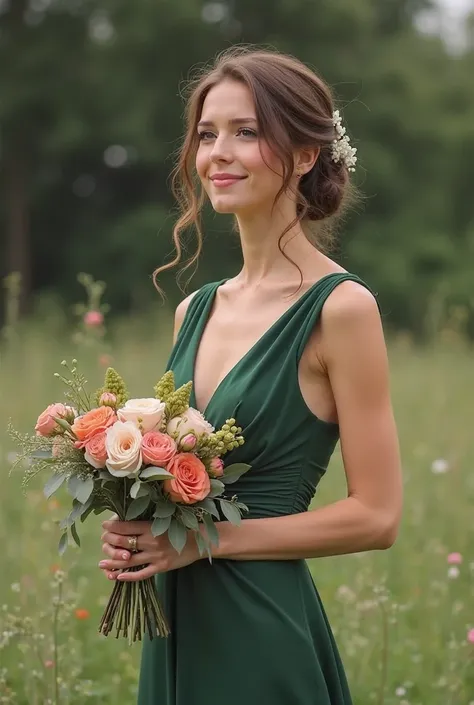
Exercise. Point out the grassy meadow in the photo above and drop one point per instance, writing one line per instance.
(402, 618)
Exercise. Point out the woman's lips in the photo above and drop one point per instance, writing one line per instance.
(226, 180)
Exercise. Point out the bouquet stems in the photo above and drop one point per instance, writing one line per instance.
(133, 609)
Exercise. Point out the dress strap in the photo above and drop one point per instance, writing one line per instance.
(315, 302)
(198, 308)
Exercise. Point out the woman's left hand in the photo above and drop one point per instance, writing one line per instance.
(155, 553)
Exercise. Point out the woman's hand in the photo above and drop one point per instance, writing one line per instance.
(155, 553)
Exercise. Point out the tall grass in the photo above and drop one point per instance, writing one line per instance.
(401, 617)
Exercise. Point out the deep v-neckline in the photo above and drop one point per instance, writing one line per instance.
(206, 316)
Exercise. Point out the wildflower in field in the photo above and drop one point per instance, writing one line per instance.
(82, 614)
(400, 692)
(15, 587)
(49, 664)
(439, 466)
(93, 319)
(55, 568)
(454, 558)
(453, 572)
(470, 636)
(105, 360)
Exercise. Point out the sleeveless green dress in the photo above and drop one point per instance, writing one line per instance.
(253, 632)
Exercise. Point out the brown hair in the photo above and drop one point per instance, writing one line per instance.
(294, 109)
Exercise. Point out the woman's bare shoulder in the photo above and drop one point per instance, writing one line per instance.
(180, 313)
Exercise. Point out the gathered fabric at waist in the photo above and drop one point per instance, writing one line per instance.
(274, 491)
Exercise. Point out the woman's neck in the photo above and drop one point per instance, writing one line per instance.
(263, 259)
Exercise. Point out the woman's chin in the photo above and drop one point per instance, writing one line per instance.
(226, 205)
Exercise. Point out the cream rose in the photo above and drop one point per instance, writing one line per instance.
(123, 443)
(146, 414)
(191, 422)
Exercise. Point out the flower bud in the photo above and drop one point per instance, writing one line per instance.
(188, 442)
(108, 399)
(216, 467)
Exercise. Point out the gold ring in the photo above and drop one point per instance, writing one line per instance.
(132, 543)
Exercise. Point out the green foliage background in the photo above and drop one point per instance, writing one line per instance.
(78, 77)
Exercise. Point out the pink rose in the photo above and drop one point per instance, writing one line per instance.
(93, 319)
(157, 448)
(190, 483)
(216, 467)
(96, 453)
(46, 425)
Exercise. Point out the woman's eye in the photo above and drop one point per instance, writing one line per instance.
(205, 135)
(247, 132)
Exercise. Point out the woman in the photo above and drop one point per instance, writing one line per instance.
(293, 348)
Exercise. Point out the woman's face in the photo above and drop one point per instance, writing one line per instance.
(231, 160)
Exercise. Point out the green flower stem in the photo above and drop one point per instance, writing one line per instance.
(133, 609)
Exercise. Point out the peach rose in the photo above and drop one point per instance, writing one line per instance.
(92, 422)
(46, 425)
(190, 483)
(96, 453)
(158, 448)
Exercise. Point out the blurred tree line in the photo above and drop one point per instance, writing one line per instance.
(91, 114)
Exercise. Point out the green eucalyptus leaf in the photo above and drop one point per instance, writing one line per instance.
(84, 489)
(177, 535)
(164, 509)
(53, 484)
(210, 506)
(106, 475)
(217, 488)
(153, 473)
(189, 518)
(75, 535)
(231, 512)
(42, 455)
(211, 529)
(233, 472)
(137, 507)
(202, 544)
(62, 543)
(160, 525)
(135, 488)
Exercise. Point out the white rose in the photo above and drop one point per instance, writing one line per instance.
(123, 444)
(192, 421)
(144, 413)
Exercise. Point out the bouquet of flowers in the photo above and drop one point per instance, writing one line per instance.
(155, 459)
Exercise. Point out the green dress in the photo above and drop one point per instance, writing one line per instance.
(253, 632)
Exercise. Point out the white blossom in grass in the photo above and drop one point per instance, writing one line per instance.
(439, 466)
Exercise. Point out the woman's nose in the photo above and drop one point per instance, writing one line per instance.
(221, 151)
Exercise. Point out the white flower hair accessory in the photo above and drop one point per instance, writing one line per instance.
(341, 146)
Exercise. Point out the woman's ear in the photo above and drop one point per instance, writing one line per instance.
(305, 159)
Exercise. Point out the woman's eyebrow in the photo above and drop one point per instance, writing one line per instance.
(234, 121)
